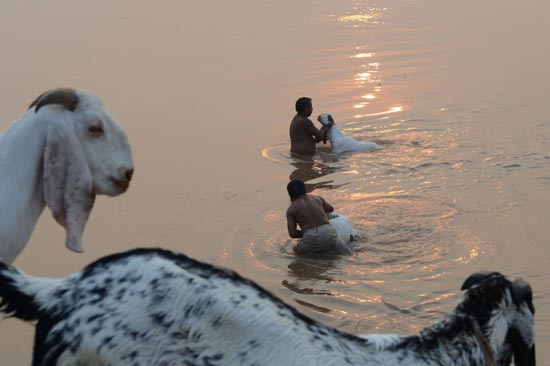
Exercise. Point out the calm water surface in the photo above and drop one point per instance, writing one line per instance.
(455, 94)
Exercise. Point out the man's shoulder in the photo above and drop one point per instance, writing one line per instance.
(300, 120)
(314, 196)
(297, 205)
(318, 199)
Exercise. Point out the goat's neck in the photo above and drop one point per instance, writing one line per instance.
(21, 188)
(462, 335)
(335, 133)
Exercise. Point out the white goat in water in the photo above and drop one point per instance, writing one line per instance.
(341, 143)
(62, 152)
(150, 307)
(343, 227)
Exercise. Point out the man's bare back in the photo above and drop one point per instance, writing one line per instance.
(307, 211)
(317, 235)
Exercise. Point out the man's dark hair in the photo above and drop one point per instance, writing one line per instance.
(302, 104)
(296, 188)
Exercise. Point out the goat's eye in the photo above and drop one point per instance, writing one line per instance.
(95, 131)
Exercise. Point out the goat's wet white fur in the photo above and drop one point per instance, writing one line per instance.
(151, 307)
(343, 227)
(60, 153)
(341, 143)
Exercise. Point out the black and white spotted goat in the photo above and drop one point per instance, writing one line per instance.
(150, 307)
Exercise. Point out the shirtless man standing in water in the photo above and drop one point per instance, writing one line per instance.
(303, 133)
(317, 236)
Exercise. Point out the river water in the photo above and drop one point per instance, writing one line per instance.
(455, 93)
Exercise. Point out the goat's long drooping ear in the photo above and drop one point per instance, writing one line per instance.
(68, 182)
(64, 96)
(522, 337)
(521, 292)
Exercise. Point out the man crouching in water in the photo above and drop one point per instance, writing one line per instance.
(318, 237)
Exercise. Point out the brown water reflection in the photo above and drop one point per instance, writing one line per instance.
(310, 169)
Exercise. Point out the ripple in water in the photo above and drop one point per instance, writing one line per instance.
(407, 236)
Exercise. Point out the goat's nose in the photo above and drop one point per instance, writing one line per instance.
(128, 174)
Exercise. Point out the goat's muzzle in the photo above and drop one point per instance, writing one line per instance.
(123, 180)
(122, 184)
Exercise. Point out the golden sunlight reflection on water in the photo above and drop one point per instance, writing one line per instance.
(363, 55)
(393, 109)
(371, 15)
(403, 228)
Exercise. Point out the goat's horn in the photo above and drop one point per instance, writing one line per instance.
(65, 96)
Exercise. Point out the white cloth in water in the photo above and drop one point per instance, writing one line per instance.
(321, 240)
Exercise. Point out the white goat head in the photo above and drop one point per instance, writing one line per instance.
(62, 152)
(504, 311)
(87, 153)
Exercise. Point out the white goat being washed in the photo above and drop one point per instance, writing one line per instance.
(341, 143)
(151, 307)
(62, 152)
(343, 227)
